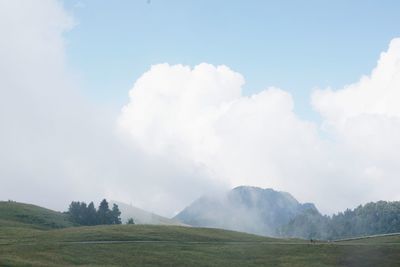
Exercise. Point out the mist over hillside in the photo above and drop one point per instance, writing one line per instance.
(141, 216)
(245, 208)
(279, 214)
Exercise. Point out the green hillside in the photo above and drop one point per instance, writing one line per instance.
(141, 245)
(14, 214)
(150, 233)
(37, 244)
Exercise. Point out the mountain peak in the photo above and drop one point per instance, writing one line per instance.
(244, 208)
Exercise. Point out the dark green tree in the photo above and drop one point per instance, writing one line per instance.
(83, 214)
(74, 211)
(77, 211)
(115, 214)
(91, 216)
(370, 219)
(130, 221)
(104, 213)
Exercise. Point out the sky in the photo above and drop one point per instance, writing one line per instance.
(297, 46)
(156, 103)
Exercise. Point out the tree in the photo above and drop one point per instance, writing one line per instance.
(370, 219)
(83, 214)
(74, 211)
(77, 211)
(115, 213)
(104, 213)
(91, 216)
(130, 221)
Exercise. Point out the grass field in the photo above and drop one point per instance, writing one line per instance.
(31, 216)
(37, 244)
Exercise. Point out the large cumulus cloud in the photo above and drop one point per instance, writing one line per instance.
(200, 114)
(364, 120)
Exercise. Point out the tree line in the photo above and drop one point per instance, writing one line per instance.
(83, 214)
(373, 218)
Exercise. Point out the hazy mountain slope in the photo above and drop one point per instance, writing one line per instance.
(141, 216)
(244, 208)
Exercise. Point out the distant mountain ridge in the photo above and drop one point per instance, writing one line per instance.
(245, 208)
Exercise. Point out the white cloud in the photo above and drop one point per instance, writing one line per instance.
(33, 84)
(55, 146)
(201, 115)
(364, 120)
(172, 108)
(376, 94)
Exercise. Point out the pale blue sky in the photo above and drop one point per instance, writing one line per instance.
(293, 45)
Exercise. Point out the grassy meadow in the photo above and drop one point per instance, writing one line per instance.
(50, 240)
